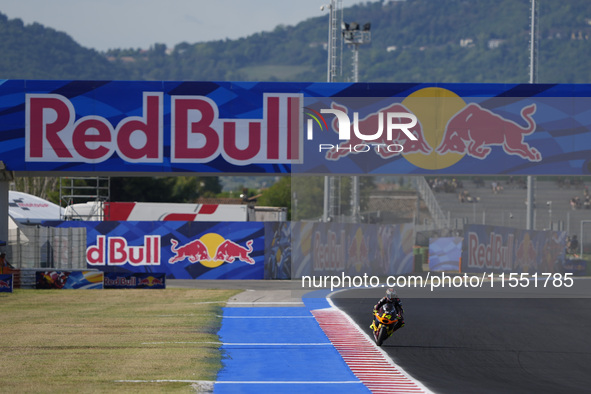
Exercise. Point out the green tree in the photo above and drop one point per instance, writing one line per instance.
(181, 189)
(308, 197)
(278, 195)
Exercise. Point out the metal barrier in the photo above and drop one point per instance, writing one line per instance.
(47, 247)
(423, 188)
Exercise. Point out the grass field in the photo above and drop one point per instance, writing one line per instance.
(91, 340)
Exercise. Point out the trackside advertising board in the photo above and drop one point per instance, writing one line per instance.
(172, 127)
(324, 249)
(506, 249)
(179, 250)
(69, 280)
(242, 250)
(136, 280)
(6, 283)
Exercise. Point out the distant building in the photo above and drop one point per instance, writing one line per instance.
(495, 43)
(466, 42)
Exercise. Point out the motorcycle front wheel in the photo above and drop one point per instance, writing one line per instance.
(381, 335)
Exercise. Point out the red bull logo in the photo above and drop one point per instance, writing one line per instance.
(194, 251)
(230, 251)
(211, 250)
(150, 281)
(432, 128)
(474, 130)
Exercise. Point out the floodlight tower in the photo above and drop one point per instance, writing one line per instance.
(330, 182)
(354, 35)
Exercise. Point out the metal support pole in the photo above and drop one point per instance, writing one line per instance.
(356, 37)
(4, 211)
(532, 79)
(330, 74)
(355, 183)
(355, 63)
(355, 199)
(582, 239)
(529, 225)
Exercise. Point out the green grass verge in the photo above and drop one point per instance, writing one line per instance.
(88, 340)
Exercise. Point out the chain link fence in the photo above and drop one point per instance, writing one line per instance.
(31, 247)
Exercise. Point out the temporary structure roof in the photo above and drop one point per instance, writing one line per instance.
(29, 209)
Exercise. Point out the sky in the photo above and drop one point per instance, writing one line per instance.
(112, 24)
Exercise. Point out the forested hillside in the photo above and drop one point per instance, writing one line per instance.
(37, 52)
(412, 41)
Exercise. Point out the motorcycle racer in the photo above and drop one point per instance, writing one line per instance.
(392, 299)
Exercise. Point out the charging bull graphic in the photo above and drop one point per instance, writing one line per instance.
(195, 251)
(375, 122)
(474, 130)
(230, 251)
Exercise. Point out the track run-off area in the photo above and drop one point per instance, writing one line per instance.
(454, 341)
(313, 348)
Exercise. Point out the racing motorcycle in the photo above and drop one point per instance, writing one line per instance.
(384, 322)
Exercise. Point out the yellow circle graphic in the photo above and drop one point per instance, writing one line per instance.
(433, 107)
(211, 242)
(358, 250)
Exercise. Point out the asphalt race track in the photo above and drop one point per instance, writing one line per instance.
(466, 341)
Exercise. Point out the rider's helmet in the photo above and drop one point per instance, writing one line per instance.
(391, 294)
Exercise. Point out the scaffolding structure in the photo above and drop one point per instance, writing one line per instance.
(92, 191)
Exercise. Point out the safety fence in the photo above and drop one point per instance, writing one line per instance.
(47, 247)
(280, 250)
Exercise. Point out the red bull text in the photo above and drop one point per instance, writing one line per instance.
(494, 255)
(198, 134)
(115, 251)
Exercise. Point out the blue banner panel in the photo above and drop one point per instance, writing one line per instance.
(445, 253)
(180, 250)
(175, 127)
(506, 249)
(577, 267)
(115, 280)
(277, 250)
(6, 283)
(69, 280)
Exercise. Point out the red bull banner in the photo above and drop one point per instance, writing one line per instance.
(69, 280)
(6, 283)
(178, 250)
(351, 249)
(116, 280)
(505, 249)
(306, 128)
(577, 267)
